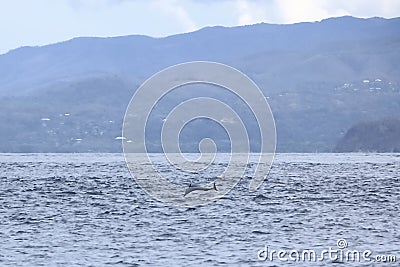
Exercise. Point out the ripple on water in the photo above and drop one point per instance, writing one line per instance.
(85, 209)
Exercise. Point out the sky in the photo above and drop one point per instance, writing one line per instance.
(41, 22)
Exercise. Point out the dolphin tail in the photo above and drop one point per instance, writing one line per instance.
(215, 187)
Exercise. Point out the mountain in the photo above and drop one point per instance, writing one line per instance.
(320, 78)
(373, 136)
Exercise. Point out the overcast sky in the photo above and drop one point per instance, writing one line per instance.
(40, 22)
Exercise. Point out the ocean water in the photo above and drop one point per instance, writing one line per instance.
(86, 210)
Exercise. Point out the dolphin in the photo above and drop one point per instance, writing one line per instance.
(199, 188)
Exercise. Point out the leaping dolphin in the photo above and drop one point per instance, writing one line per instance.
(199, 188)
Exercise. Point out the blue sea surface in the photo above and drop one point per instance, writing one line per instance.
(86, 210)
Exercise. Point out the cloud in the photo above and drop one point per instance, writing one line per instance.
(85, 4)
(365, 8)
(292, 11)
(305, 10)
(177, 12)
(312, 10)
(41, 22)
(250, 12)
